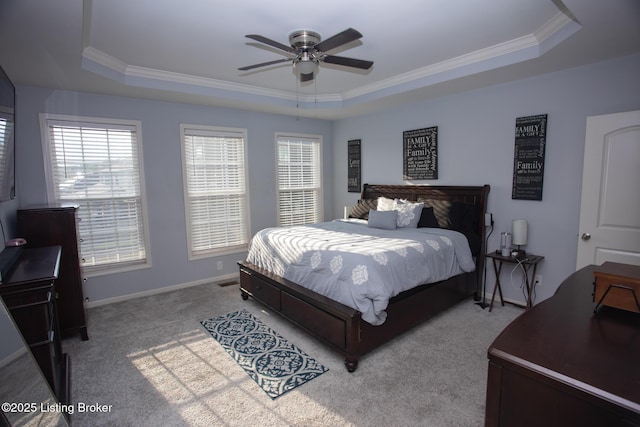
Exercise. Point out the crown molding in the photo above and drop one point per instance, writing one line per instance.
(559, 28)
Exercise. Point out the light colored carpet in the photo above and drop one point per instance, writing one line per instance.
(154, 364)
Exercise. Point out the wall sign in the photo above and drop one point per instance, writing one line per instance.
(420, 151)
(528, 157)
(354, 169)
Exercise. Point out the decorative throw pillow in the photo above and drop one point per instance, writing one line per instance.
(362, 208)
(385, 204)
(428, 218)
(382, 219)
(440, 210)
(408, 213)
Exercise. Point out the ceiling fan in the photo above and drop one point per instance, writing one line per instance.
(308, 51)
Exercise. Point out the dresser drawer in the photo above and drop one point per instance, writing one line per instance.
(260, 290)
(322, 324)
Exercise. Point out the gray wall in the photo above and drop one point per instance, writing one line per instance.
(476, 144)
(476, 140)
(163, 176)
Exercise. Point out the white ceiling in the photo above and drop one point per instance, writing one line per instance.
(189, 51)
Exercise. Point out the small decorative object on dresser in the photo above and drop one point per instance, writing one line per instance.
(617, 285)
(56, 225)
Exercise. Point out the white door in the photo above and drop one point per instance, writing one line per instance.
(610, 210)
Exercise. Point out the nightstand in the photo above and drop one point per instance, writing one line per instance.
(529, 264)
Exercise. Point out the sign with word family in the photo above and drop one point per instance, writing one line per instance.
(528, 157)
(420, 152)
(354, 170)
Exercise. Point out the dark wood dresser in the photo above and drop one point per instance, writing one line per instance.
(561, 364)
(29, 292)
(56, 225)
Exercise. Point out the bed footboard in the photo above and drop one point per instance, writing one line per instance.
(333, 323)
(341, 327)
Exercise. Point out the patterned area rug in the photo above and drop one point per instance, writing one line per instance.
(275, 364)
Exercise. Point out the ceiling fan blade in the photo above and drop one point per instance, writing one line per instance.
(339, 39)
(270, 42)
(348, 62)
(264, 64)
(306, 77)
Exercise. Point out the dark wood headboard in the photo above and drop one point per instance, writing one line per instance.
(473, 195)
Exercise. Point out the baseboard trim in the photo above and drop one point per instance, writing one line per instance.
(213, 280)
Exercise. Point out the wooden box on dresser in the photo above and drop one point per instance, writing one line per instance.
(57, 225)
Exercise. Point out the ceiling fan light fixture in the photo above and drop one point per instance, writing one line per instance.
(308, 51)
(306, 66)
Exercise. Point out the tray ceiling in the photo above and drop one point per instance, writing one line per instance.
(191, 51)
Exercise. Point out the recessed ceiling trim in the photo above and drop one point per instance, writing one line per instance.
(107, 66)
(550, 34)
(510, 52)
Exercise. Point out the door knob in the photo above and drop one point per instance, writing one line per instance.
(585, 236)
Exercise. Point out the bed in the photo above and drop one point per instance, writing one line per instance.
(343, 327)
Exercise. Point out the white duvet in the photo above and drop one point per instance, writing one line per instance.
(358, 266)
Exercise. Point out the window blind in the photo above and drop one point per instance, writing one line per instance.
(96, 166)
(299, 180)
(215, 190)
(5, 129)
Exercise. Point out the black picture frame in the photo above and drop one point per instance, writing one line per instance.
(528, 157)
(354, 165)
(420, 153)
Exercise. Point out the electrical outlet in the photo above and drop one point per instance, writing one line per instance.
(488, 220)
(219, 265)
(537, 280)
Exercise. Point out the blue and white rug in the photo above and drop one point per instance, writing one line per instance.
(275, 364)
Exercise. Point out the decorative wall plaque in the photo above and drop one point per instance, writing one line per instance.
(354, 169)
(420, 152)
(528, 157)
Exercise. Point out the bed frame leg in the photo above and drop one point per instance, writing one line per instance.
(244, 295)
(351, 365)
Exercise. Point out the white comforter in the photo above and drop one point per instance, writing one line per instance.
(358, 266)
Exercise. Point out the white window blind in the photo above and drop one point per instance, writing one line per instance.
(215, 189)
(6, 157)
(4, 132)
(97, 167)
(299, 180)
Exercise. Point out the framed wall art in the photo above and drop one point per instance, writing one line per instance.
(420, 153)
(354, 166)
(528, 157)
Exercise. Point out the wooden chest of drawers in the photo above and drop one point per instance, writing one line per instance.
(617, 285)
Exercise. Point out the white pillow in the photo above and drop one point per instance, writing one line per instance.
(408, 213)
(385, 204)
(382, 219)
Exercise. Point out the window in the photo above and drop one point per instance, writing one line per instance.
(96, 164)
(215, 189)
(6, 156)
(299, 179)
